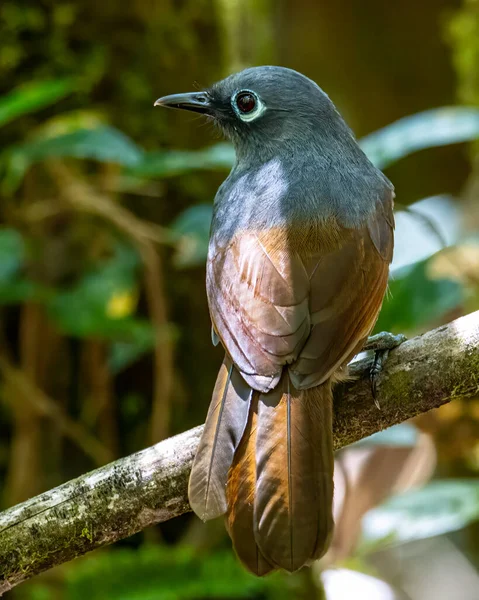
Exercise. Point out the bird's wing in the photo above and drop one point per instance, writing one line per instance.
(258, 296)
(273, 304)
(346, 292)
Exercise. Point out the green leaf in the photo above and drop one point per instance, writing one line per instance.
(438, 508)
(192, 229)
(176, 162)
(103, 302)
(13, 285)
(414, 299)
(12, 254)
(103, 144)
(437, 127)
(32, 97)
(169, 573)
(141, 339)
(69, 122)
(18, 291)
(38, 591)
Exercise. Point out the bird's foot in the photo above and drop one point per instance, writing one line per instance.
(380, 344)
(384, 341)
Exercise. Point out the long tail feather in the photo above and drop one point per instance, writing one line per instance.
(240, 493)
(267, 461)
(294, 475)
(224, 427)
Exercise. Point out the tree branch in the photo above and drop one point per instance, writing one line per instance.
(150, 486)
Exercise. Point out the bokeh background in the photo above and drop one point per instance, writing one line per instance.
(105, 205)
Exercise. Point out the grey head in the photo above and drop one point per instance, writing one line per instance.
(286, 130)
(262, 108)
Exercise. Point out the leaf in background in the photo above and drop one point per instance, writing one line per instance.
(141, 339)
(415, 299)
(28, 98)
(13, 286)
(103, 144)
(427, 226)
(69, 122)
(437, 508)
(176, 162)
(12, 253)
(102, 303)
(169, 573)
(192, 230)
(437, 127)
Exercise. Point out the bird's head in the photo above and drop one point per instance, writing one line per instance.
(264, 106)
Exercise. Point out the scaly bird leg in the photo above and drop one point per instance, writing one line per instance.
(380, 344)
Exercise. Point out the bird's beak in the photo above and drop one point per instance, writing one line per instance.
(195, 101)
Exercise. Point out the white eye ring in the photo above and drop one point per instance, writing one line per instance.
(257, 111)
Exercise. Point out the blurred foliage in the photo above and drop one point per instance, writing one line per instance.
(33, 97)
(463, 33)
(415, 298)
(105, 208)
(178, 162)
(13, 286)
(104, 144)
(155, 573)
(193, 229)
(435, 509)
(424, 130)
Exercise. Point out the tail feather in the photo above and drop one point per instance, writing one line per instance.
(319, 404)
(294, 474)
(224, 427)
(240, 492)
(266, 460)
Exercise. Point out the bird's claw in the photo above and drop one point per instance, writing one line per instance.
(381, 344)
(384, 341)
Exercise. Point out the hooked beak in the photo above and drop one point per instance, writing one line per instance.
(195, 101)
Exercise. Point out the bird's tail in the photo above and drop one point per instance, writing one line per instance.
(266, 460)
(224, 427)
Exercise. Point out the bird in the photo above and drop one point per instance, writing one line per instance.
(300, 245)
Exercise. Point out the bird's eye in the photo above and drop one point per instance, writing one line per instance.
(246, 102)
(247, 105)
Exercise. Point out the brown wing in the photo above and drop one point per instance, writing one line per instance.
(346, 294)
(274, 301)
(258, 296)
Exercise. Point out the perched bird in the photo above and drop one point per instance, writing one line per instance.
(300, 246)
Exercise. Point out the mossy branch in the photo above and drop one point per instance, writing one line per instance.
(150, 486)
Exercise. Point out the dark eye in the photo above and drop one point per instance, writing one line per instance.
(246, 102)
